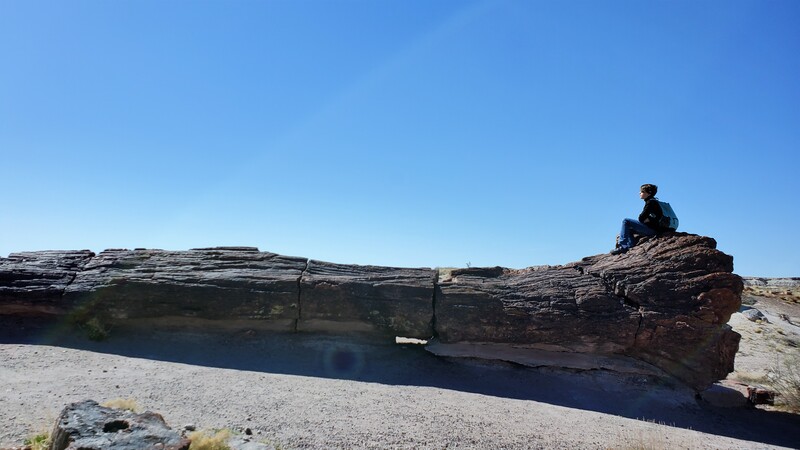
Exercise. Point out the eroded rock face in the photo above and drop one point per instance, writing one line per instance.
(33, 283)
(89, 426)
(666, 302)
(394, 300)
(216, 283)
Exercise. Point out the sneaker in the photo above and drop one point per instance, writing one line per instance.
(619, 251)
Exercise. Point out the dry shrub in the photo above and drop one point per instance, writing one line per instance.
(97, 329)
(122, 403)
(39, 442)
(202, 441)
(785, 379)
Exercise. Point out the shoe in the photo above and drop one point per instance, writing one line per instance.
(619, 251)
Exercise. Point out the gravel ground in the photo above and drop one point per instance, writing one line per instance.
(317, 391)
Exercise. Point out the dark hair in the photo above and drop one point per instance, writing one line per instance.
(649, 189)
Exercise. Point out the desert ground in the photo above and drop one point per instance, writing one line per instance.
(319, 391)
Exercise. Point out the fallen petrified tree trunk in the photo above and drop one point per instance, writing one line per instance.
(664, 303)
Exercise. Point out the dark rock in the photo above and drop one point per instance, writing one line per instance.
(216, 284)
(33, 283)
(348, 297)
(89, 426)
(759, 395)
(665, 302)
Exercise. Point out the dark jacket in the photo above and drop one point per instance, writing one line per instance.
(651, 214)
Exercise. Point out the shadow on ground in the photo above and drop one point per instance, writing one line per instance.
(369, 359)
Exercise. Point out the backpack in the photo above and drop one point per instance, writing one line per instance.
(669, 220)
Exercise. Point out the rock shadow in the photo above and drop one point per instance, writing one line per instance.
(371, 359)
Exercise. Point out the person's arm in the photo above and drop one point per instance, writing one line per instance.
(651, 214)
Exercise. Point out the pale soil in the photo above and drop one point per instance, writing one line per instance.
(767, 346)
(313, 391)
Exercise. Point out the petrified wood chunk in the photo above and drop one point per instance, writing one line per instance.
(88, 426)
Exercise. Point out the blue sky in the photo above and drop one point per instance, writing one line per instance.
(401, 133)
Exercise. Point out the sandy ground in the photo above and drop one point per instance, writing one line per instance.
(316, 391)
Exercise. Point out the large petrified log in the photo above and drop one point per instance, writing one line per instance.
(664, 303)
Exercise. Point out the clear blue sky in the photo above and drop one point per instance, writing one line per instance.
(403, 133)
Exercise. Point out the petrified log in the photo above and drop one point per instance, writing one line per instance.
(88, 426)
(665, 302)
(225, 283)
(33, 283)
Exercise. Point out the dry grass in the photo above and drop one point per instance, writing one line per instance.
(201, 440)
(785, 379)
(653, 437)
(749, 378)
(789, 296)
(122, 403)
(40, 441)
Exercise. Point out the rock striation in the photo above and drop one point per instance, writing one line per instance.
(225, 283)
(33, 283)
(394, 300)
(666, 302)
(663, 305)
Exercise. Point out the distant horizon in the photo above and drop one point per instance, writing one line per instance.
(411, 134)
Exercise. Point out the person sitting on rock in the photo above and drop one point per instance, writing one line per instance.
(648, 223)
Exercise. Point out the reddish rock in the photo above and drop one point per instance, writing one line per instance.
(665, 302)
(759, 395)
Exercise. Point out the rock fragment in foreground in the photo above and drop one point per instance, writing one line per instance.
(665, 302)
(88, 426)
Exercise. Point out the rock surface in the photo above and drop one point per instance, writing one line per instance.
(394, 300)
(89, 426)
(215, 283)
(665, 302)
(33, 283)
